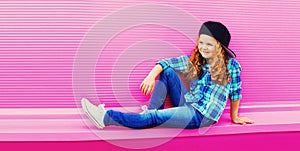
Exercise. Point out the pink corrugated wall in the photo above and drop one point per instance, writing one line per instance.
(39, 42)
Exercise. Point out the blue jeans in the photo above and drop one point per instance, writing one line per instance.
(182, 115)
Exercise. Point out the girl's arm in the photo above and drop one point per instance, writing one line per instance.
(178, 64)
(148, 84)
(234, 108)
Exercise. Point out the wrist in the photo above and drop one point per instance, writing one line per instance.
(150, 77)
(233, 117)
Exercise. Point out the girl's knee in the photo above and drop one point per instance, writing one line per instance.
(168, 72)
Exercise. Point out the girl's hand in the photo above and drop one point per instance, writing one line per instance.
(147, 86)
(242, 120)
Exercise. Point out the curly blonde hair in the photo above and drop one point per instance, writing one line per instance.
(218, 66)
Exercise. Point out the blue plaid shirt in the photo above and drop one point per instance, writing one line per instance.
(206, 96)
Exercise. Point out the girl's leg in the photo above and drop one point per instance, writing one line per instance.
(168, 83)
(178, 117)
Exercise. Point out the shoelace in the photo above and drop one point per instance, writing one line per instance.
(101, 107)
(144, 108)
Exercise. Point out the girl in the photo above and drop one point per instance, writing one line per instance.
(213, 76)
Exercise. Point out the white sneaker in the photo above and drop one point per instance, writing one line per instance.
(145, 109)
(95, 114)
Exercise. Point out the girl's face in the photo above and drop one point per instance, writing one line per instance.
(207, 46)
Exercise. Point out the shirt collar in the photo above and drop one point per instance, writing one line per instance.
(205, 66)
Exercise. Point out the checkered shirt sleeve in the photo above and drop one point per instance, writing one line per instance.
(236, 83)
(178, 63)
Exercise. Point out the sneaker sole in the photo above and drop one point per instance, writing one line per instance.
(85, 109)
